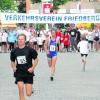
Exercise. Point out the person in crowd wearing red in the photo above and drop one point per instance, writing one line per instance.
(66, 41)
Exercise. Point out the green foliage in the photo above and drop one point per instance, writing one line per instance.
(22, 7)
(7, 5)
(36, 1)
(92, 25)
(40, 26)
(57, 3)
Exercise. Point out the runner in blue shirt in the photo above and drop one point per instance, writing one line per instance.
(51, 51)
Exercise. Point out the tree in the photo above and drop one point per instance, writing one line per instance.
(36, 1)
(6, 5)
(22, 7)
(57, 3)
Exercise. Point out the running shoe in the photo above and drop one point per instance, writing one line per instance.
(51, 78)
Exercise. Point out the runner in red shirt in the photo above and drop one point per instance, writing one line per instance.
(66, 41)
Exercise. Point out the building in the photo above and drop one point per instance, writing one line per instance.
(84, 4)
(73, 4)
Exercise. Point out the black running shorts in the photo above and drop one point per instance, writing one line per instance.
(26, 80)
(84, 55)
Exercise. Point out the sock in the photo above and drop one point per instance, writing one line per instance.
(27, 98)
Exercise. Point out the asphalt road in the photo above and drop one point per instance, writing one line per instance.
(70, 82)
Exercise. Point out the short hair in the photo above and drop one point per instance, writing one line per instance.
(22, 35)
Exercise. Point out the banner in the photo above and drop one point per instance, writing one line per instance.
(49, 18)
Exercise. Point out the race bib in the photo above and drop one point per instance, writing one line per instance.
(72, 33)
(21, 60)
(52, 48)
(97, 34)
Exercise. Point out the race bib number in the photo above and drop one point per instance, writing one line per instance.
(52, 48)
(97, 34)
(21, 60)
(72, 33)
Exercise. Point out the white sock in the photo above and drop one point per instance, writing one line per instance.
(27, 98)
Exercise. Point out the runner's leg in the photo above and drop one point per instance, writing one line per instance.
(54, 59)
(84, 62)
(21, 90)
(28, 89)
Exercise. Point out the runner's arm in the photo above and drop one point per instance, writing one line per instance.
(35, 62)
(13, 65)
(46, 46)
(13, 60)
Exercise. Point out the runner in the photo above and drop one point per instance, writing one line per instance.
(90, 37)
(23, 66)
(31, 41)
(40, 42)
(4, 41)
(83, 47)
(51, 51)
(35, 41)
(73, 39)
(96, 39)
